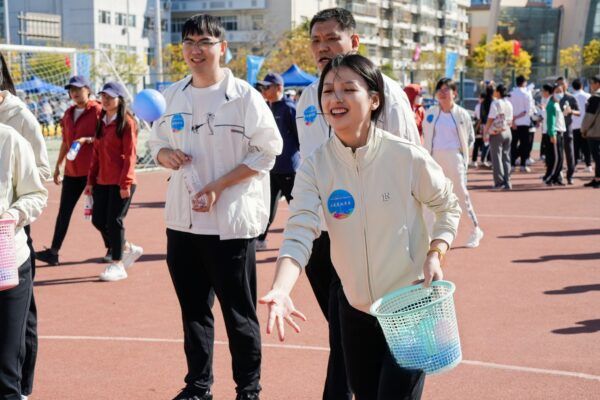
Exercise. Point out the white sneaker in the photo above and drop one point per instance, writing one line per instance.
(114, 272)
(261, 245)
(525, 169)
(589, 169)
(130, 256)
(473, 164)
(475, 237)
(23, 397)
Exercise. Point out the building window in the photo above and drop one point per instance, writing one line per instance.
(132, 21)
(105, 46)
(177, 24)
(120, 19)
(121, 48)
(229, 22)
(104, 17)
(257, 22)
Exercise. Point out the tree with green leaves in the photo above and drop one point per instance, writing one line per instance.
(501, 57)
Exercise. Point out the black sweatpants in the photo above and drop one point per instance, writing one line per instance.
(200, 267)
(569, 157)
(108, 213)
(554, 155)
(520, 146)
(372, 371)
(581, 148)
(72, 188)
(325, 284)
(281, 185)
(14, 307)
(478, 146)
(31, 335)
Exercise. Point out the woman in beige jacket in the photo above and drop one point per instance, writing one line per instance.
(372, 187)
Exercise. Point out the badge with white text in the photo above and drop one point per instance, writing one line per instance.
(310, 115)
(177, 123)
(340, 204)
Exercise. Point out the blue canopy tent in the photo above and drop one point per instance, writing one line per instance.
(294, 76)
(37, 85)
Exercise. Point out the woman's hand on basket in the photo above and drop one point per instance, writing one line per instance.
(432, 269)
(281, 308)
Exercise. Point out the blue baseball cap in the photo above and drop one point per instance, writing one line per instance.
(113, 89)
(271, 79)
(77, 81)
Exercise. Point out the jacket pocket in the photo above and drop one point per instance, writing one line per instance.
(178, 206)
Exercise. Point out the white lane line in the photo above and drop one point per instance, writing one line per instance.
(319, 348)
(538, 217)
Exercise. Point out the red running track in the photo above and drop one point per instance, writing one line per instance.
(527, 301)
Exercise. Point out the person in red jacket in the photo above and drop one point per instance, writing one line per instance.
(413, 92)
(78, 125)
(111, 180)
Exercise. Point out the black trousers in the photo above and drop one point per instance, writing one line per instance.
(108, 214)
(31, 335)
(520, 145)
(595, 151)
(554, 155)
(325, 284)
(14, 308)
(373, 372)
(479, 146)
(569, 157)
(72, 188)
(581, 148)
(200, 267)
(281, 185)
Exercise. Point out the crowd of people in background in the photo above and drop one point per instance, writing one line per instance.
(227, 147)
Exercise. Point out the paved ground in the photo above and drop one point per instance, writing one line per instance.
(527, 302)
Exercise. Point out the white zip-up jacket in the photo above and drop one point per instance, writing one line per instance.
(22, 194)
(13, 112)
(313, 130)
(373, 201)
(245, 132)
(464, 127)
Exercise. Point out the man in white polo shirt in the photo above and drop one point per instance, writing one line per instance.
(523, 107)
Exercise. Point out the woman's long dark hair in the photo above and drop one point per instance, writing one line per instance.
(6, 81)
(486, 104)
(122, 123)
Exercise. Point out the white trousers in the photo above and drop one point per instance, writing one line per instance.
(455, 169)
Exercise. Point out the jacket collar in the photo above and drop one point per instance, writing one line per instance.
(363, 155)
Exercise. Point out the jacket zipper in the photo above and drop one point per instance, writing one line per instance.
(364, 214)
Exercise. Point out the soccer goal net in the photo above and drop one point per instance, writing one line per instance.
(40, 74)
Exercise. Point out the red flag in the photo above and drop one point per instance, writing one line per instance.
(417, 53)
(516, 48)
(68, 61)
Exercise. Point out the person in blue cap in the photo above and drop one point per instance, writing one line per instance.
(286, 164)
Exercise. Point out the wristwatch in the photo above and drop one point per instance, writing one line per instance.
(440, 252)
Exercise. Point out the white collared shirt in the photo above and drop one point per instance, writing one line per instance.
(521, 100)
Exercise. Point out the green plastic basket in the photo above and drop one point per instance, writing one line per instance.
(420, 326)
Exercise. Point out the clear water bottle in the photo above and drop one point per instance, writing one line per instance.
(191, 179)
(75, 147)
(88, 205)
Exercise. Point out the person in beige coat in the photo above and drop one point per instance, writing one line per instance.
(372, 187)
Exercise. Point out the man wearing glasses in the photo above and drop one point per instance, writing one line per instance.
(219, 138)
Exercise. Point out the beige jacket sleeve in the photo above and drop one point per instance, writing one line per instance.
(29, 194)
(32, 132)
(303, 225)
(431, 187)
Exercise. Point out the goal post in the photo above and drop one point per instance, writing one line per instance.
(40, 74)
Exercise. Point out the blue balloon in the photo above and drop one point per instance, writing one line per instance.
(149, 105)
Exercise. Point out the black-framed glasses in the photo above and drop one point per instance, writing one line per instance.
(201, 44)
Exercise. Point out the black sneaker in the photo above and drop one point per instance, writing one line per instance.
(592, 183)
(193, 393)
(247, 396)
(48, 256)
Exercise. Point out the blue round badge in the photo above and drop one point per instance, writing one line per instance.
(340, 204)
(430, 118)
(177, 123)
(310, 115)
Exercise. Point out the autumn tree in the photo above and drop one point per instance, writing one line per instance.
(174, 66)
(292, 48)
(570, 59)
(591, 53)
(501, 57)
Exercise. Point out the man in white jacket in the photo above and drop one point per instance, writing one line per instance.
(333, 32)
(220, 139)
(22, 198)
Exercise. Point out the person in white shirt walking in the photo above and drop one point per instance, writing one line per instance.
(448, 135)
(498, 129)
(333, 32)
(580, 144)
(523, 106)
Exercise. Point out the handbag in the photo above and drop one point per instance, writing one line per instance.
(498, 123)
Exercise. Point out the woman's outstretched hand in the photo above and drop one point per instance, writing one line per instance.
(281, 308)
